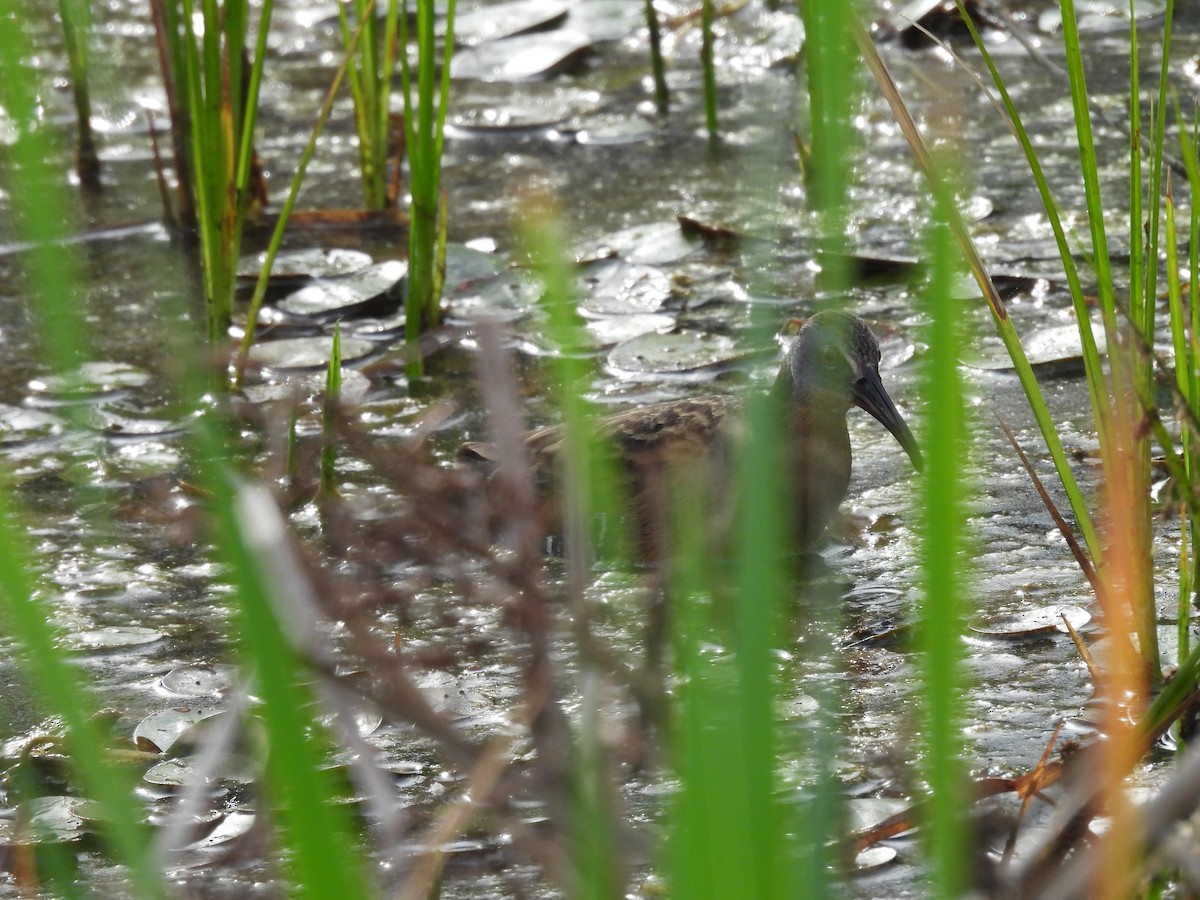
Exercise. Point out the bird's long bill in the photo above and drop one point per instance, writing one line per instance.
(870, 394)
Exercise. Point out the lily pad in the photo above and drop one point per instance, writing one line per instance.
(655, 244)
(306, 353)
(19, 425)
(1053, 352)
(183, 771)
(610, 330)
(523, 58)
(606, 20)
(158, 732)
(113, 637)
(90, 382)
(372, 291)
(199, 681)
(612, 132)
(503, 20)
(681, 351)
(1037, 622)
(313, 262)
(55, 819)
(615, 286)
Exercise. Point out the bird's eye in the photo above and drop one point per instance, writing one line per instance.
(829, 357)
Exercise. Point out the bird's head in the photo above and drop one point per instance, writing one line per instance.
(833, 364)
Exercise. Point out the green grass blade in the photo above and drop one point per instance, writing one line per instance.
(943, 550)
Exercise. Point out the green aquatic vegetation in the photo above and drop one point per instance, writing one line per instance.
(374, 61)
(213, 90)
(425, 124)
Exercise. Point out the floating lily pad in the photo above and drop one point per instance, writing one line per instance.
(53, 819)
(508, 296)
(19, 425)
(113, 637)
(183, 771)
(199, 681)
(503, 20)
(610, 330)
(611, 132)
(655, 244)
(873, 858)
(313, 262)
(523, 58)
(683, 351)
(466, 265)
(91, 381)
(299, 354)
(1053, 352)
(1032, 623)
(371, 291)
(606, 20)
(120, 420)
(158, 732)
(616, 286)
(512, 119)
(233, 826)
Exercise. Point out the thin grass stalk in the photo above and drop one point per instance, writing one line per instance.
(289, 203)
(1188, 146)
(662, 94)
(943, 550)
(708, 64)
(1184, 376)
(173, 65)
(329, 414)
(1146, 319)
(1138, 286)
(76, 17)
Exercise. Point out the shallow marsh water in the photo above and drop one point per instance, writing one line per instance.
(586, 137)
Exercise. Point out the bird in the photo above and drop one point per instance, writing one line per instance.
(830, 366)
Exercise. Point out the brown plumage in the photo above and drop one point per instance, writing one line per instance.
(687, 444)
